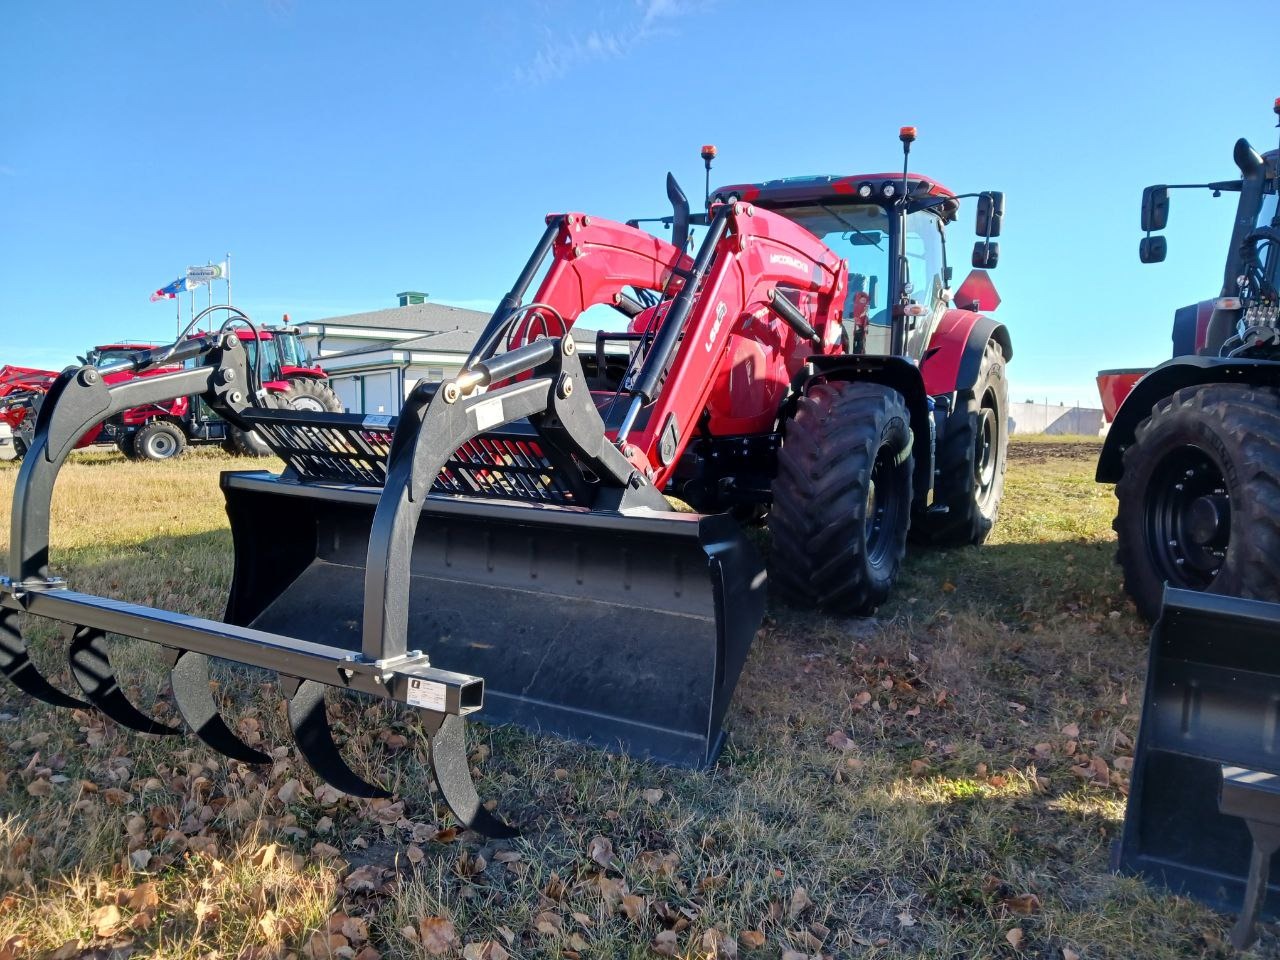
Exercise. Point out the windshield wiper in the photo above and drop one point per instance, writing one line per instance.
(865, 236)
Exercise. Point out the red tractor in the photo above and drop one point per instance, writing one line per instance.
(160, 431)
(1194, 447)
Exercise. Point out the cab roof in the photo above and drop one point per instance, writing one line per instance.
(794, 191)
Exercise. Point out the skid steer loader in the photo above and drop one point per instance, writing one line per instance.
(505, 541)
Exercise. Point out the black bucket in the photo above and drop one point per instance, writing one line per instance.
(1208, 750)
(623, 630)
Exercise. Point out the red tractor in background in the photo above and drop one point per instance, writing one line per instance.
(1194, 446)
(162, 431)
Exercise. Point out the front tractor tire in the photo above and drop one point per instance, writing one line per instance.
(971, 460)
(159, 440)
(1199, 499)
(841, 498)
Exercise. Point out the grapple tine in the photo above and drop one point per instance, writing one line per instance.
(310, 723)
(453, 775)
(15, 663)
(91, 668)
(190, 681)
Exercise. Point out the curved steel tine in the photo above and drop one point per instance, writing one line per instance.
(15, 663)
(91, 667)
(310, 723)
(453, 775)
(190, 681)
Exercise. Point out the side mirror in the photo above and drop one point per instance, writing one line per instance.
(990, 214)
(986, 254)
(1152, 249)
(1155, 208)
(977, 293)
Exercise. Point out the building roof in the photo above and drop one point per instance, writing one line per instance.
(427, 317)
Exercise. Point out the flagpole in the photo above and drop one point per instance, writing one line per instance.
(210, 284)
(177, 302)
(228, 278)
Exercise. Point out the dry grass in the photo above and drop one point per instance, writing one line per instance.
(898, 787)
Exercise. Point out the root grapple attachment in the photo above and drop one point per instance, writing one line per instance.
(1204, 805)
(486, 548)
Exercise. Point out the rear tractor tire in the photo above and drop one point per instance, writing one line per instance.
(1199, 499)
(303, 393)
(842, 498)
(159, 440)
(971, 461)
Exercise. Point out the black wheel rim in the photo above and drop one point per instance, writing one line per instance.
(1187, 518)
(986, 449)
(884, 506)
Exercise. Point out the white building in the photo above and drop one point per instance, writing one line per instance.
(374, 358)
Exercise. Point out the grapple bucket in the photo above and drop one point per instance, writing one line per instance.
(1204, 803)
(482, 532)
(625, 631)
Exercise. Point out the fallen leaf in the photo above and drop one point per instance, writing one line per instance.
(39, 788)
(369, 953)
(652, 795)
(718, 946)
(751, 939)
(145, 896)
(116, 797)
(906, 919)
(483, 950)
(1071, 731)
(919, 768)
(1069, 954)
(633, 906)
(1024, 903)
(600, 849)
(105, 920)
(548, 924)
(437, 935)
(800, 902)
(666, 943)
(1015, 938)
(326, 946)
(839, 740)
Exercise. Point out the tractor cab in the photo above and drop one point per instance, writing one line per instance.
(891, 230)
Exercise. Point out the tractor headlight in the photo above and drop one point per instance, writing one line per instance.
(865, 190)
(888, 190)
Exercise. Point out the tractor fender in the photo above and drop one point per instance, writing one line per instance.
(954, 355)
(1162, 381)
(896, 372)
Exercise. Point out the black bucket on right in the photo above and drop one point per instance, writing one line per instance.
(1209, 741)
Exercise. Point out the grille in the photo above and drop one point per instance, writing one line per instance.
(349, 448)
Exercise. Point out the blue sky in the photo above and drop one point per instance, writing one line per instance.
(343, 152)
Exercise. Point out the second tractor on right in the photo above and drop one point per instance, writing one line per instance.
(1194, 448)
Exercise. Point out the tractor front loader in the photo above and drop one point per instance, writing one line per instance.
(507, 541)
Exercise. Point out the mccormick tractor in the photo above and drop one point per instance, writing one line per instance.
(160, 431)
(1194, 445)
(506, 542)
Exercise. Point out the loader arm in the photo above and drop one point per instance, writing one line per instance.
(767, 279)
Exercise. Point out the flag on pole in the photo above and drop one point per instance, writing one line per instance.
(171, 291)
(209, 273)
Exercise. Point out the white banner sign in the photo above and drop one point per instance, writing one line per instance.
(217, 271)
